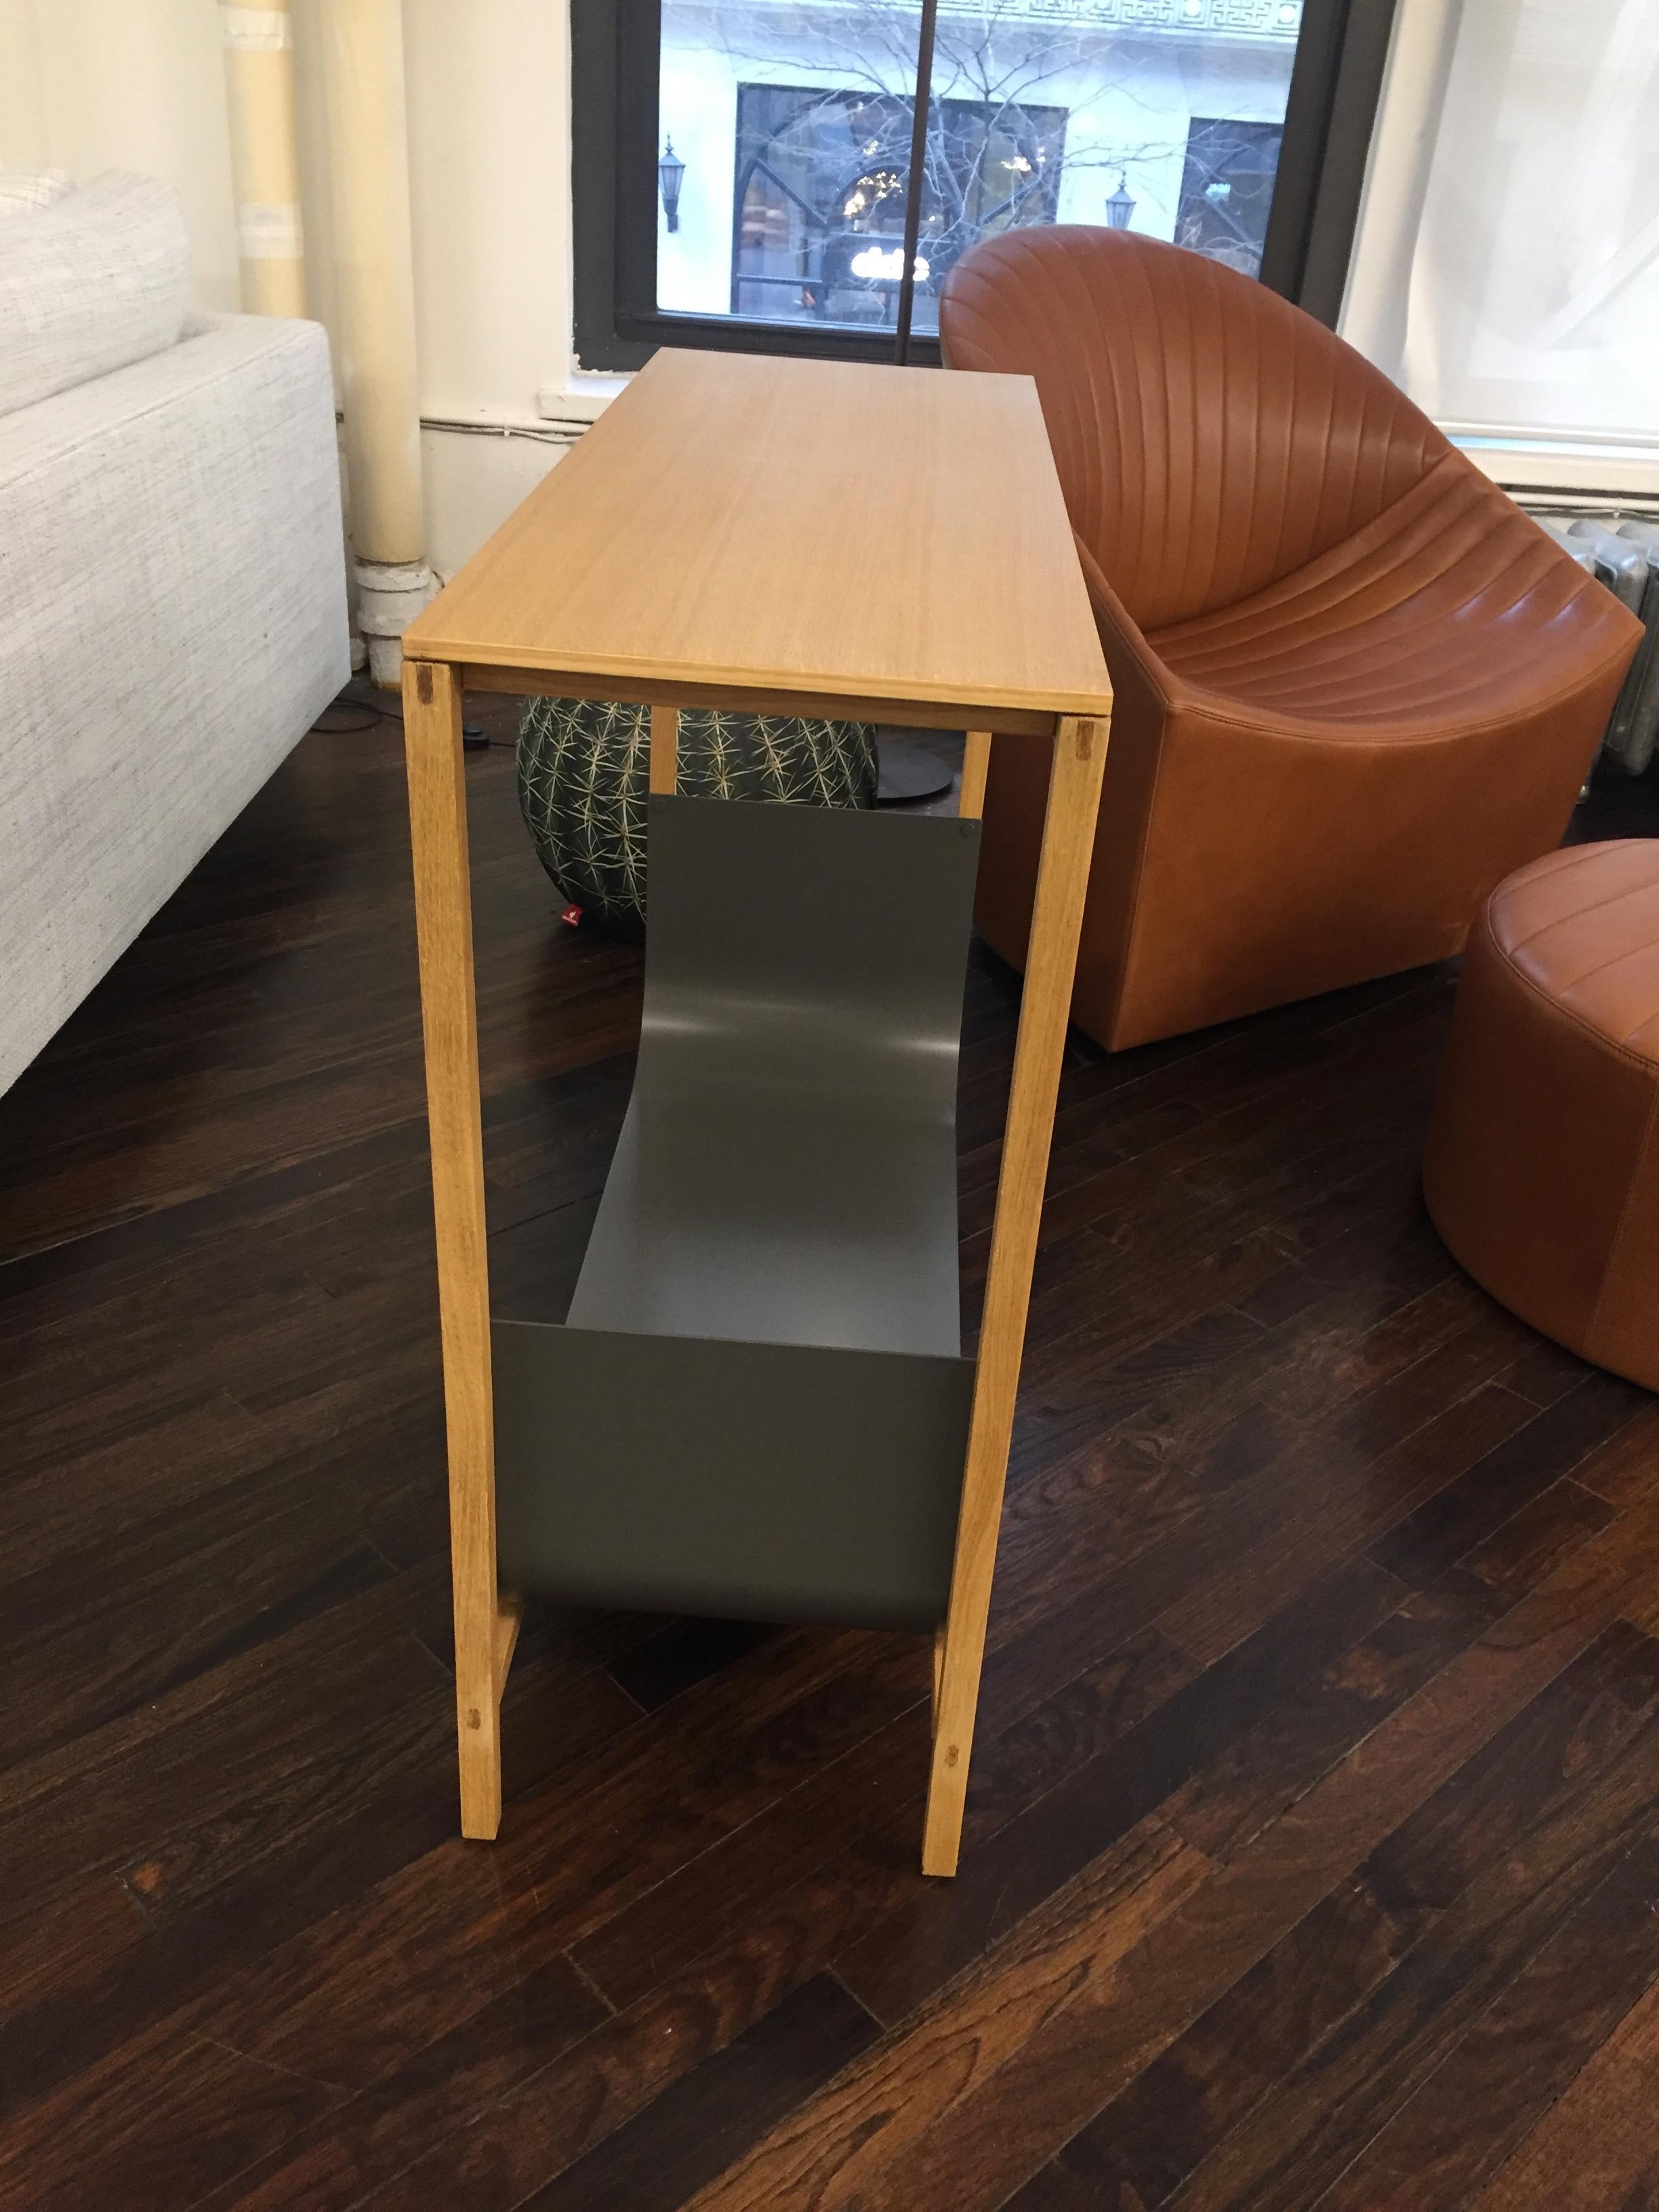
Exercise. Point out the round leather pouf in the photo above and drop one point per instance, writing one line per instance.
(1542, 1170)
(583, 782)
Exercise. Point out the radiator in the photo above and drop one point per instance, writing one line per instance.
(1626, 556)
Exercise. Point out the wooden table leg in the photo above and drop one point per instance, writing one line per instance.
(443, 916)
(664, 749)
(975, 766)
(1068, 839)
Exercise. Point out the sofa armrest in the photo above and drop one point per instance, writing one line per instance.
(173, 618)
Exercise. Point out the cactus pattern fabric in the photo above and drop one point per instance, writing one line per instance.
(584, 768)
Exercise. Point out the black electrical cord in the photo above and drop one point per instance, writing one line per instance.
(364, 705)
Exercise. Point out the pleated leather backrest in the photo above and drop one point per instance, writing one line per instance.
(1210, 437)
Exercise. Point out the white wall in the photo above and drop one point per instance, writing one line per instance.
(1506, 269)
(92, 84)
(126, 84)
(1130, 97)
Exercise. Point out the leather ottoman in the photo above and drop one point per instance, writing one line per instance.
(1542, 1172)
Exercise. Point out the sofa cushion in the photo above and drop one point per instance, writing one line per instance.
(95, 279)
(21, 190)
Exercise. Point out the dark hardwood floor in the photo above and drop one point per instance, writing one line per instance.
(1313, 1845)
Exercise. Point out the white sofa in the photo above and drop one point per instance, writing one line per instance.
(172, 600)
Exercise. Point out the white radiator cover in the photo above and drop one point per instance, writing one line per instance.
(1625, 553)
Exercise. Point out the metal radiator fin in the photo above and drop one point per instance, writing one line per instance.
(1625, 555)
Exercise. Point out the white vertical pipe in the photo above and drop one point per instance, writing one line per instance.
(264, 155)
(374, 319)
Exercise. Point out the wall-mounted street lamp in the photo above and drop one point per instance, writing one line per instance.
(670, 170)
(1120, 207)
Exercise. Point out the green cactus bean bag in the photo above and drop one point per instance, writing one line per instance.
(583, 770)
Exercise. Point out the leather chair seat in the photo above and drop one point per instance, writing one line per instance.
(1414, 626)
(1542, 1170)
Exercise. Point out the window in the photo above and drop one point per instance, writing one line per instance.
(820, 196)
(748, 173)
(1227, 189)
(1509, 276)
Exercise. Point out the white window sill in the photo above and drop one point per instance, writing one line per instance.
(1596, 466)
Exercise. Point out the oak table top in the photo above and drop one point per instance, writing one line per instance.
(821, 529)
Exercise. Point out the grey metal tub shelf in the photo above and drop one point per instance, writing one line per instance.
(758, 1407)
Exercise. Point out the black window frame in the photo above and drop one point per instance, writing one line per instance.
(1336, 84)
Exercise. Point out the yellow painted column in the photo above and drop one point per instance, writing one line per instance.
(264, 155)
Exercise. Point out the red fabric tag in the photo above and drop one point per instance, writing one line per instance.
(573, 915)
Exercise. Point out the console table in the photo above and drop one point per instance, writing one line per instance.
(758, 1405)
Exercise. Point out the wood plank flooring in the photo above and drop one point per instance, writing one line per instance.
(1312, 1855)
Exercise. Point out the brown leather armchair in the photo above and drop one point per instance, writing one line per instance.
(1355, 685)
